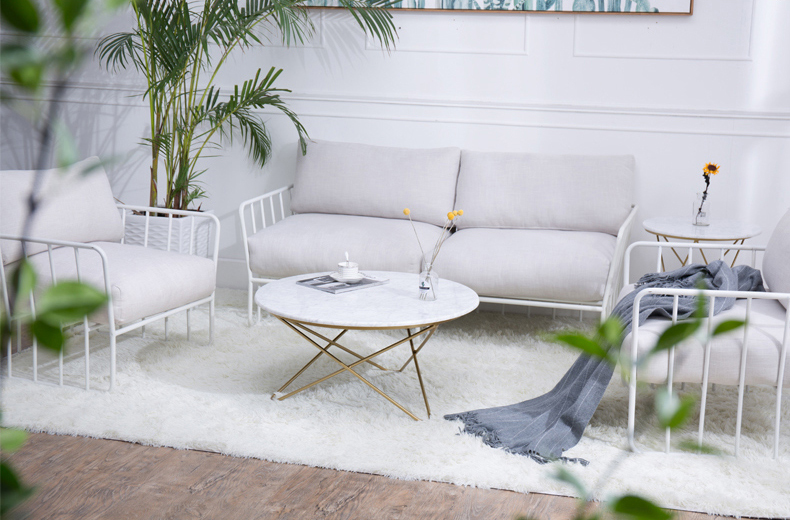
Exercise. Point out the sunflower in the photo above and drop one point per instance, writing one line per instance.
(710, 169)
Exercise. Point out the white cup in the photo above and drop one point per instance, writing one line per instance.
(348, 269)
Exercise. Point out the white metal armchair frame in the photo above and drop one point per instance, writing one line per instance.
(749, 296)
(254, 212)
(113, 331)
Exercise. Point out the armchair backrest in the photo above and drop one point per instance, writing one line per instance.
(75, 204)
(776, 261)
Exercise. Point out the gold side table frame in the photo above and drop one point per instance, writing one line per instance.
(683, 261)
(302, 327)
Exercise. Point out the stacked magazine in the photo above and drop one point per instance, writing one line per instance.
(328, 284)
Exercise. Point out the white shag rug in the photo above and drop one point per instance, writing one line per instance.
(192, 396)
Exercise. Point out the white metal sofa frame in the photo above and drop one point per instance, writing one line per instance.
(711, 295)
(276, 205)
(113, 332)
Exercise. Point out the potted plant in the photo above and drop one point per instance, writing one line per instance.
(171, 45)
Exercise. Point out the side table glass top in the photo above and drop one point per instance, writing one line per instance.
(393, 305)
(682, 228)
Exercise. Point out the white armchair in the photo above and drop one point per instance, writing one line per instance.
(754, 355)
(78, 233)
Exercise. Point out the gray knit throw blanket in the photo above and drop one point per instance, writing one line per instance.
(544, 427)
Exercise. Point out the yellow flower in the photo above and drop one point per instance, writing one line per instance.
(406, 211)
(710, 169)
(460, 212)
(455, 213)
(451, 215)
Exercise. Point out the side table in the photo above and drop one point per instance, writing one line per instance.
(678, 228)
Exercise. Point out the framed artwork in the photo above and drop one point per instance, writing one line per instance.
(548, 6)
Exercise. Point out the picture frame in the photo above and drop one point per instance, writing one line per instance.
(586, 7)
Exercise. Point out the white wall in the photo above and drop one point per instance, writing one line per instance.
(675, 91)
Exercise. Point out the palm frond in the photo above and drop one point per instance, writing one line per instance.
(374, 18)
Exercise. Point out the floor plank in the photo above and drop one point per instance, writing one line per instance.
(81, 478)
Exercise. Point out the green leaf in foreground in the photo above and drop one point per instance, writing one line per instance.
(563, 475)
(48, 335)
(676, 334)
(12, 490)
(11, 440)
(694, 447)
(611, 330)
(672, 411)
(67, 302)
(70, 11)
(20, 14)
(24, 280)
(728, 326)
(632, 506)
(583, 343)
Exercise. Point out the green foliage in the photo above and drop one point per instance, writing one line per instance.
(563, 475)
(671, 410)
(728, 326)
(675, 334)
(171, 46)
(695, 447)
(30, 70)
(638, 508)
(20, 14)
(12, 490)
(11, 440)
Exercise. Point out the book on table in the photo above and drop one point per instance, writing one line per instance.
(328, 284)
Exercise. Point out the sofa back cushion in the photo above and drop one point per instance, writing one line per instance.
(75, 204)
(776, 262)
(533, 191)
(376, 181)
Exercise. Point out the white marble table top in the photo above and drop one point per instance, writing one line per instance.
(679, 227)
(394, 305)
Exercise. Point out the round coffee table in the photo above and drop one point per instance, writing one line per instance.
(394, 305)
(678, 228)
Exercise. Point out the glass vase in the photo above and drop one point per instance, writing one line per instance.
(429, 283)
(701, 211)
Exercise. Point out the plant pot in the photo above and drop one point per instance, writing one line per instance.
(179, 234)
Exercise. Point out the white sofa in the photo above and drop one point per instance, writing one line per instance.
(753, 355)
(537, 230)
(78, 233)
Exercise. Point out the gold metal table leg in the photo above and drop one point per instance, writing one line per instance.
(350, 368)
(417, 367)
(301, 371)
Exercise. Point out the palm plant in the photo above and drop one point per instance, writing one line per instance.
(172, 45)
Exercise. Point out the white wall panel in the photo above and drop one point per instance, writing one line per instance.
(718, 30)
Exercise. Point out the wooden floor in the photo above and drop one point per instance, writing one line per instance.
(80, 478)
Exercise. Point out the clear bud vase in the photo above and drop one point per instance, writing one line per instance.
(429, 283)
(701, 211)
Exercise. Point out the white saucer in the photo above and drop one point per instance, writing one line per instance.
(356, 279)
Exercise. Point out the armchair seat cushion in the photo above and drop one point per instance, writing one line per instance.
(766, 330)
(529, 263)
(312, 242)
(143, 281)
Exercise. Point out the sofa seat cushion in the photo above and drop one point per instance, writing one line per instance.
(537, 191)
(310, 243)
(568, 266)
(376, 181)
(766, 330)
(75, 205)
(144, 281)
